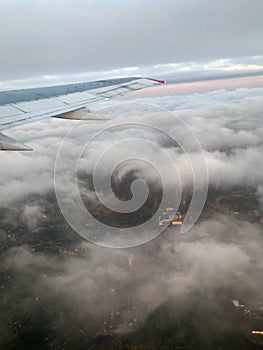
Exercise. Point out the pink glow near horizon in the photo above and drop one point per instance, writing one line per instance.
(198, 87)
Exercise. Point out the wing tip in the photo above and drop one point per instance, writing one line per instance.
(160, 81)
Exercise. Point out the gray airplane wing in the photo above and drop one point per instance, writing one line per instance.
(66, 101)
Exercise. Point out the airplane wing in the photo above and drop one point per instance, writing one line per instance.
(66, 101)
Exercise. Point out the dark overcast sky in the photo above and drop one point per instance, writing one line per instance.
(57, 37)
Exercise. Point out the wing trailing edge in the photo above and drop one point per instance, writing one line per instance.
(82, 113)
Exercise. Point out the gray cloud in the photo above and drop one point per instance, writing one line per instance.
(173, 72)
(47, 38)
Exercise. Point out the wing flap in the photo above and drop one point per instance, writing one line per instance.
(34, 106)
(8, 111)
(78, 98)
(81, 114)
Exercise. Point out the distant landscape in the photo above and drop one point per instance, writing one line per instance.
(35, 267)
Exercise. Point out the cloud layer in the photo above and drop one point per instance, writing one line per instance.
(226, 123)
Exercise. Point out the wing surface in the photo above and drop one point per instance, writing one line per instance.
(24, 106)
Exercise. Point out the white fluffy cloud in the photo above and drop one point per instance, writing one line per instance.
(226, 123)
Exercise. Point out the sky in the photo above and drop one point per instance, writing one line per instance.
(94, 39)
